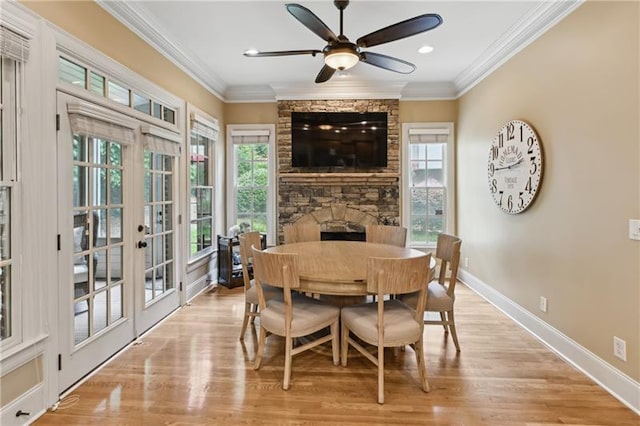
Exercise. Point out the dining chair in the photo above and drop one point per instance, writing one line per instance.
(385, 234)
(389, 323)
(294, 315)
(441, 293)
(300, 233)
(247, 240)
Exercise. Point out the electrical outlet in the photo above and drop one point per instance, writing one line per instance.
(634, 229)
(466, 262)
(543, 304)
(619, 348)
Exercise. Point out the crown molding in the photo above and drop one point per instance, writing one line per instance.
(337, 89)
(429, 91)
(520, 35)
(144, 25)
(249, 93)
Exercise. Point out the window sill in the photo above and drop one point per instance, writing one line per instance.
(200, 260)
(21, 353)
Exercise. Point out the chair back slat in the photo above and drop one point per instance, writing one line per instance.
(397, 276)
(448, 251)
(384, 234)
(247, 240)
(276, 269)
(301, 233)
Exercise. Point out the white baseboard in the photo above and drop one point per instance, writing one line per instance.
(618, 384)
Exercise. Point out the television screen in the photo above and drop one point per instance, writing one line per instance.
(339, 139)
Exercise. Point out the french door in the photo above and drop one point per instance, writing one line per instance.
(158, 295)
(116, 223)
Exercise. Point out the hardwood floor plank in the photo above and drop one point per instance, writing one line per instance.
(193, 370)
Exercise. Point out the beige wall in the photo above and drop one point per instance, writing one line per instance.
(93, 25)
(426, 111)
(251, 113)
(578, 86)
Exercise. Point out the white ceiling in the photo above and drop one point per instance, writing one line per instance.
(207, 39)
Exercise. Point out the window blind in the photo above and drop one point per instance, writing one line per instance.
(13, 46)
(92, 120)
(204, 127)
(428, 135)
(250, 136)
(161, 141)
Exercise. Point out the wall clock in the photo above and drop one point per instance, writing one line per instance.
(515, 167)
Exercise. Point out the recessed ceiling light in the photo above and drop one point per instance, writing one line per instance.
(425, 49)
(251, 52)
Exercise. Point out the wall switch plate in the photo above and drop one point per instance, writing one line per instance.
(619, 348)
(543, 304)
(634, 229)
(466, 262)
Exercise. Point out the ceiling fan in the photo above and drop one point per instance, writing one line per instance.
(342, 54)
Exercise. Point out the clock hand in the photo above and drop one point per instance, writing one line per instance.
(508, 167)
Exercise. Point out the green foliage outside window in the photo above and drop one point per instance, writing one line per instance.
(252, 178)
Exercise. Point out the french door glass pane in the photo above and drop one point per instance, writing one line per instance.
(158, 213)
(97, 269)
(100, 311)
(116, 302)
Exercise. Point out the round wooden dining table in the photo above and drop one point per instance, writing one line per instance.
(339, 268)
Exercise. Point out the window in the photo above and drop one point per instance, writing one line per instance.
(428, 183)
(13, 53)
(72, 72)
(252, 190)
(204, 135)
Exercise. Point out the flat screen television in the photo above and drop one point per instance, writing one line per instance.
(350, 140)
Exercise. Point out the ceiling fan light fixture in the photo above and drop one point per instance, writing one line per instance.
(341, 58)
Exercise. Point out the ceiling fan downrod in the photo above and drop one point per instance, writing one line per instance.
(341, 5)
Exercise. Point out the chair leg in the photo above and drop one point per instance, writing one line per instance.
(263, 338)
(335, 342)
(380, 374)
(245, 320)
(422, 365)
(254, 310)
(287, 362)
(443, 318)
(344, 345)
(452, 327)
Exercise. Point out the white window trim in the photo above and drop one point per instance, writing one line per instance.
(216, 171)
(87, 56)
(450, 176)
(11, 138)
(271, 190)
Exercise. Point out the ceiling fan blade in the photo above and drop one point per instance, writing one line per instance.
(387, 62)
(283, 53)
(403, 29)
(325, 74)
(311, 21)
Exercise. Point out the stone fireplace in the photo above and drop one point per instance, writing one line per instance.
(338, 201)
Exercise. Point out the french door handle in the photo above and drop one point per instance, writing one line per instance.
(142, 244)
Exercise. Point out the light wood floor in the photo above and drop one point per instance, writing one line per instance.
(192, 369)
